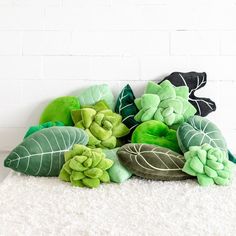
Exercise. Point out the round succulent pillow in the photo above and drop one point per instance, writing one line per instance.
(157, 133)
(152, 162)
(197, 131)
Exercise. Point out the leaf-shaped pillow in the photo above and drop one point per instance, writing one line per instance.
(126, 107)
(42, 153)
(96, 93)
(198, 130)
(152, 162)
(194, 81)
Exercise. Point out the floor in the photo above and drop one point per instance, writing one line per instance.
(3, 171)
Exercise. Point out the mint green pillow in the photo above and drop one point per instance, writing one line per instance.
(118, 173)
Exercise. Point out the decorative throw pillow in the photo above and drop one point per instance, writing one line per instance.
(41, 154)
(126, 107)
(165, 103)
(118, 173)
(59, 110)
(36, 128)
(198, 130)
(85, 167)
(152, 162)
(194, 81)
(156, 132)
(96, 93)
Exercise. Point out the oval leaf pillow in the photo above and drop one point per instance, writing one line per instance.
(42, 153)
(96, 93)
(197, 131)
(152, 162)
(157, 133)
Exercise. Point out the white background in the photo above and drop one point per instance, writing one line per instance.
(51, 48)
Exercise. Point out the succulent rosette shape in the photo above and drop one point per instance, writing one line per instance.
(210, 165)
(164, 102)
(101, 124)
(85, 167)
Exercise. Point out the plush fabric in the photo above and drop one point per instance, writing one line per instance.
(165, 103)
(118, 173)
(41, 154)
(85, 167)
(103, 127)
(152, 162)
(126, 107)
(59, 110)
(95, 93)
(194, 81)
(198, 130)
(36, 128)
(210, 165)
(157, 133)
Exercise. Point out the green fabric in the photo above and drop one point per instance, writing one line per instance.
(95, 93)
(198, 130)
(85, 167)
(164, 102)
(103, 127)
(231, 157)
(36, 128)
(156, 132)
(41, 154)
(59, 110)
(152, 162)
(210, 165)
(126, 107)
(118, 173)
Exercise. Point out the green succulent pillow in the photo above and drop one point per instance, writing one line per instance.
(152, 162)
(96, 93)
(85, 167)
(59, 110)
(197, 131)
(156, 132)
(41, 154)
(164, 102)
(118, 173)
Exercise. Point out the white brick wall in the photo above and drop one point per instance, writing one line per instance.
(50, 48)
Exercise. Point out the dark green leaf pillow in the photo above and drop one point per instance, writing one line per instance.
(198, 130)
(42, 153)
(126, 107)
(157, 133)
(152, 162)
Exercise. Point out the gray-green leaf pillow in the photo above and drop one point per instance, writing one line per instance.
(118, 173)
(42, 153)
(198, 130)
(96, 93)
(152, 162)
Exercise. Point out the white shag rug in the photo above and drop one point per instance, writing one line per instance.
(46, 206)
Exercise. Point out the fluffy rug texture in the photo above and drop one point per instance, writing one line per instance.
(47, 206)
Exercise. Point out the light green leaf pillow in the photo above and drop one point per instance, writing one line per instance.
(96, 93)
(118, 173)
(42, 153)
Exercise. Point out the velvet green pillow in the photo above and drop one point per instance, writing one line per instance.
(156, 132)
(118, 173)
(96, 93)
(197, 131)
(60, 110)
(152, 162)
(36, 128)
(41, 154)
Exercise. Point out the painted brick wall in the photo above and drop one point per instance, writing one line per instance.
(50, 48)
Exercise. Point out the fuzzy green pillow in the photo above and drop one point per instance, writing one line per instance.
(152, 162)
(197, 131)
(60, 110)
(118, 173)
(96, 93)
(41, 154)
(156, 132)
